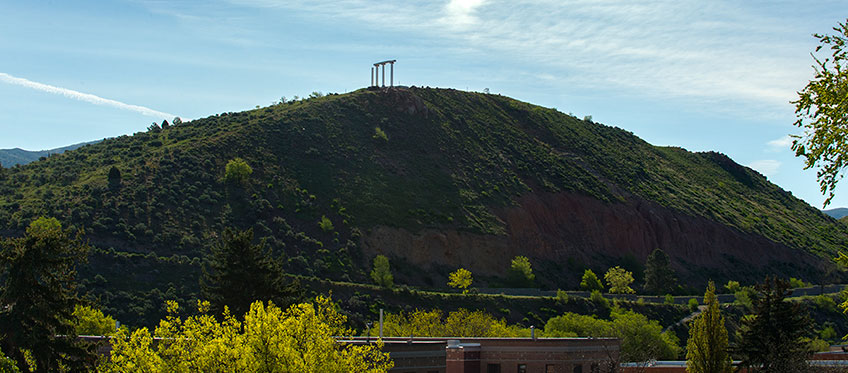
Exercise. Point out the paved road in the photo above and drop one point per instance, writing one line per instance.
(723, 298)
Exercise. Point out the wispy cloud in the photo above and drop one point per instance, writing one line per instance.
(712, 54)
(460, 13)
(768, 167)
(782, 143)
(87, 97)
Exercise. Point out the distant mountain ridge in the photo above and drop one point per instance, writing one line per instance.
(837, 213)
(16, 156)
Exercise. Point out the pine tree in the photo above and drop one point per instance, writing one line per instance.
(772, 340)
(659, 277)
(237, 273)
(39, 294)
(706, 349)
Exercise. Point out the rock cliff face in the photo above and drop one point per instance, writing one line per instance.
(558, 230)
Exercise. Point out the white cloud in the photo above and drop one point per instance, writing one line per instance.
(782, 143)
(460, 13)
(87, 97)
(711, 53)
(768, 167)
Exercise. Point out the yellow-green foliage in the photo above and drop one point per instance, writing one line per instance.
(380, 134)
(90, 321)
(237, 170)
(269, 339)
(706, 349)
(462, 323)
(641, 339)
(460, 279)
(619, 280)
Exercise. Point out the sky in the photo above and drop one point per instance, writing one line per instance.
(702, 75)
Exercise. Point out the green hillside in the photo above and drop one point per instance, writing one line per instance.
(412, 159)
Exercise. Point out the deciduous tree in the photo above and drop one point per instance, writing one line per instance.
(707, 347)
(267, 339)
(382, 273)
(619, 280)
(460, 279)
(591, 282)
(822, 111)
(520, 272)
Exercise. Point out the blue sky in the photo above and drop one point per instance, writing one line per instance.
(703, 75)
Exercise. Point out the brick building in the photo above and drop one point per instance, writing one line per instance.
(500, 355)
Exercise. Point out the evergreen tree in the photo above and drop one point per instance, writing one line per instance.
(237, 273)
(772, 340)
(114, 178)
(659, 277)
(382, 273)
(590, 281)
(706, 349)
(38, 296)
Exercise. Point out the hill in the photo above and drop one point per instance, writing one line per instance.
(11, 157)
(837, 213)
(435, 179)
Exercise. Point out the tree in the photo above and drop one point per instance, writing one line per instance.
(591, 282)
(706, 349)
(114, 178)
(773, 338)
(237, 273)
(619, 280)
(382, 274)
(520, 272)
(38, 296)
(659, 276)
(267, 339)
(460, 279)
(91, 321)
(237, 171)
(822, 112)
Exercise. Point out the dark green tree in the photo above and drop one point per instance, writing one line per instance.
(659, 276)
(238, 272)
(114, 178)
(38, 296)
(772, 339)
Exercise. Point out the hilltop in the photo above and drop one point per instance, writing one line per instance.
(435, 179)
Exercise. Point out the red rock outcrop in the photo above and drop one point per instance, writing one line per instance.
(553, 228)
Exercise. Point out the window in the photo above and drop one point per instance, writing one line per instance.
(577, 369)
(493, 368)
(522, 368)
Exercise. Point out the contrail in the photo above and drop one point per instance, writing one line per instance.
(87, 97)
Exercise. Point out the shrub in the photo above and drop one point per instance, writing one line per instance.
(669, 299)
(598, 299)
(693, 304)
(325, 224)
(561, 297)
(380, 134)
